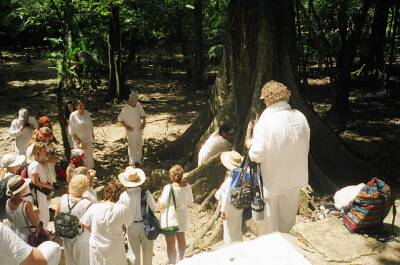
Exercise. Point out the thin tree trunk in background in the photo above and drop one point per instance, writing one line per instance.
(198, 46)
(300, 44)
(374, 59)
(396, 17)
(348, 48)
(116, 84)
(64, 83)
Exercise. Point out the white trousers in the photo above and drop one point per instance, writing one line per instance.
(138, 240)
(280, 212)
(135, 145)
(232, 225)
(44, 205)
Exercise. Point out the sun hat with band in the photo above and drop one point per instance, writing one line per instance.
(11, 160)
(231, 159)
(132, 177)
(16, 184)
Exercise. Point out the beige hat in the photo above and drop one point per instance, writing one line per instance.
(16, 184)
(132, 177)
(231, 159)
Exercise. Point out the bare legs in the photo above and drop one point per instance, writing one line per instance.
(171, 248)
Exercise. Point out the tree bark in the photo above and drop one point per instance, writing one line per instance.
(259, 45)
(198, 46)
(116, 84)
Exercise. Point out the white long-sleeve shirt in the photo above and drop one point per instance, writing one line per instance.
(281, 143)
(22, 135)
(81, 126)
(132, 116)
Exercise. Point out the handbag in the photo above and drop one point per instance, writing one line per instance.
(151, 224)
(168, 218)
(243, 187)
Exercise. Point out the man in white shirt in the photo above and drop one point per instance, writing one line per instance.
(22, 129)
(280, 143)
(216, 143)
(15, 251)
(133, 118)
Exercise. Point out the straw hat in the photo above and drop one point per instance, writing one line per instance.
(231, 159)
(16, 184)
(132, 177)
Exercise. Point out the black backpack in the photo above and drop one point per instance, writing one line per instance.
(66, 224)
(150, 222)
(3, 196)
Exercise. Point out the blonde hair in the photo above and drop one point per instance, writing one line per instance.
(78, 184)
(176, 173)
(36, 149)
(81, 170)
(274, 91)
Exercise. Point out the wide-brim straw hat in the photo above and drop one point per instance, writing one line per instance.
(231, 159)
(132, 177)
(16, 184)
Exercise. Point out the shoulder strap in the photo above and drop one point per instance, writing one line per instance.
(75, 203)
(25, 218)
(143, 203)
(394, 215)
(173, 195)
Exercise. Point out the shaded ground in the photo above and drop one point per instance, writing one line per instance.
(372, 127)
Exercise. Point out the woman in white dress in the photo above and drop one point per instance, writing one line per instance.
(105, 221)
(81, 129)
(40, 181)
(90, 174)
(133, 179)
(183, 198)
(19, 212)
(76, 250)
(231, 217)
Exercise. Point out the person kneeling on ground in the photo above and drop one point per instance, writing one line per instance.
(216, 143)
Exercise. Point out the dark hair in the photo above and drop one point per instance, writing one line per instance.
(67, 113)
(224, 128)
(112, 190)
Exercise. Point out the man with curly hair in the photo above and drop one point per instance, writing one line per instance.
(281, 141)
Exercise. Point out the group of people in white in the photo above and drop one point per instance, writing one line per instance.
(280, 145)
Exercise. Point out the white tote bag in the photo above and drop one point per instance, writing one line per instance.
(168, 218)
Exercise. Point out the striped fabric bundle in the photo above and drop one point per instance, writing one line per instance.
(369, 208)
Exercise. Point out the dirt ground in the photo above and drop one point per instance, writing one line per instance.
(371, 130)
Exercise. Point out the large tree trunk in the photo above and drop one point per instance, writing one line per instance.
(260, 46)
(116, 84)
(198, 45)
